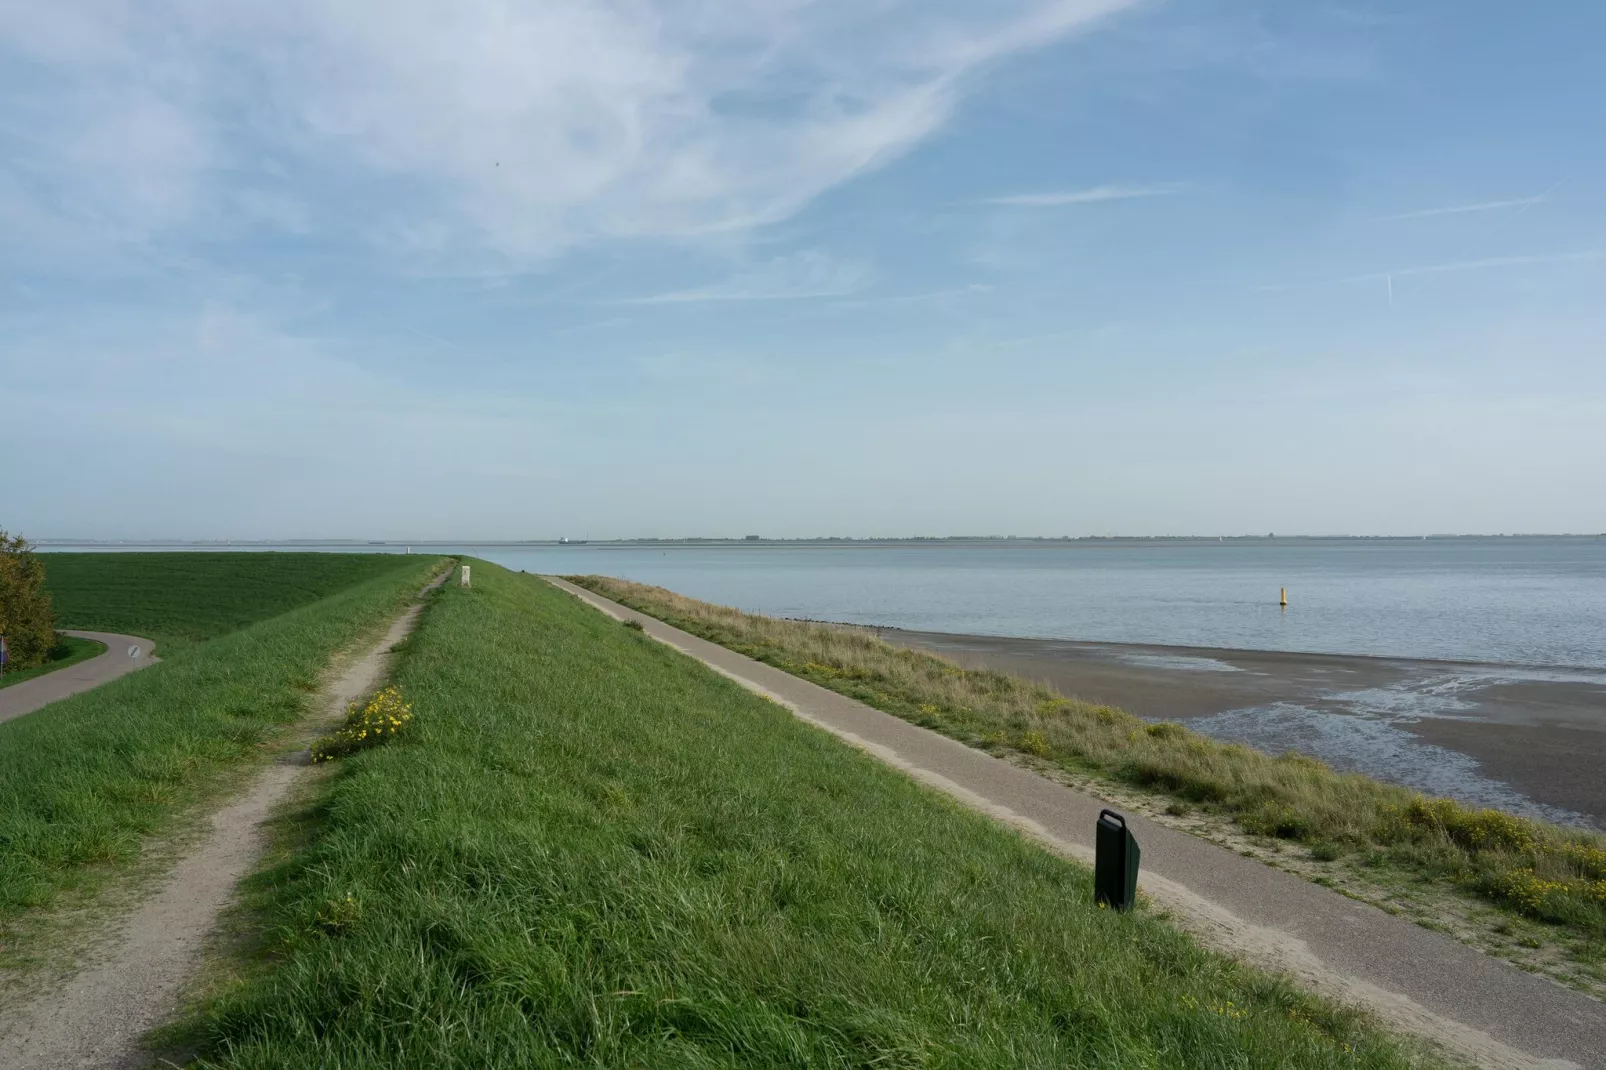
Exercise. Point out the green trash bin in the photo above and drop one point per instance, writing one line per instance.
(1115, 863)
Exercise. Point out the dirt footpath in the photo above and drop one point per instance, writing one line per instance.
(98, 1018)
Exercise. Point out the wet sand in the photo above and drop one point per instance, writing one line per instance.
(1529, 740)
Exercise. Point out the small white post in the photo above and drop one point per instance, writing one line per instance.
(462, 581)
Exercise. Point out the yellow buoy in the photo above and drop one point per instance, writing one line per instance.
(1285, 598)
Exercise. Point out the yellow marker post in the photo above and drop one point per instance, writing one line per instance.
(1285, 598)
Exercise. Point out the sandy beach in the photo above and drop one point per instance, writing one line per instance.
(1529, 740)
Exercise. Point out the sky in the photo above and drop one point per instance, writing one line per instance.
(488, 269)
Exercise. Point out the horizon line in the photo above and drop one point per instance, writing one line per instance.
(618, 540)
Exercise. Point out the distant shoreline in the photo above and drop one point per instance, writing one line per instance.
(748, 542)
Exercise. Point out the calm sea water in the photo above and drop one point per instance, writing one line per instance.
(1521, 601)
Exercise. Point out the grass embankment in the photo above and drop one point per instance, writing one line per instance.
(83, 780)
(69, 650)
(586, 849)
(182, 598)
(1554, 875)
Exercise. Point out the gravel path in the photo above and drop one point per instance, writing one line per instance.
(97, 1019)
(1415, 980)
(29, 695)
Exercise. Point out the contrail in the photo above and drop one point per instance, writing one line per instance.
(433, 338)
(1505, 222)
(1462, 209)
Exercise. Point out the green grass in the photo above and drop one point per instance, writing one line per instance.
(69, 650)
(1542, 871)
(587, 849)
(182, 598)
(83, 780)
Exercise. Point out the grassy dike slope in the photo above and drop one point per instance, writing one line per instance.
(83, 780)
(183, 598)
(589, 849)
(1457, 863)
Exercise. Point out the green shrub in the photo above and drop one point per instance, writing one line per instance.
(1277, 819)
(1475, 830)
(26, 621)
(1036, 743)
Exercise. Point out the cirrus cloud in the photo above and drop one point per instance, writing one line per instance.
(476, 131)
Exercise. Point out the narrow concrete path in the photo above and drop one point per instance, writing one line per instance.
(124, 654)
(1415, 980)
(97, 1019)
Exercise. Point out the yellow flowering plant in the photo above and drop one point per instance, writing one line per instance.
(367, 724)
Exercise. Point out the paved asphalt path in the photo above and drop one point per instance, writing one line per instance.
(1415, 979)
(29, 695)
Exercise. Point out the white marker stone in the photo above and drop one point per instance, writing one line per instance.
(462, 581)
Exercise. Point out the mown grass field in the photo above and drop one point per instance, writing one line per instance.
(182, 598)
(1543, 872)
(84, 780)
(69, 650)
(587, 849)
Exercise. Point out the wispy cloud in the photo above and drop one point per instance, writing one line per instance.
(1463, 209)
(504, 134)
(1092, 195)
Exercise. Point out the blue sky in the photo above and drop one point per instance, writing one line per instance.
(490, 269)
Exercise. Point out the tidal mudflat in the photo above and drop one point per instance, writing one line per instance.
(1528, 740)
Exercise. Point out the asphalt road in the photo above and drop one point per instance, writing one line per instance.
(29, 695)
(1413, 978)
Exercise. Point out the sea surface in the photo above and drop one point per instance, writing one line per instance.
(1537, 602)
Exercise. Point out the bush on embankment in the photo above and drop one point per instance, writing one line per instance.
(83, 780)
(26, 620)
(1540, 870)
(589, 850)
